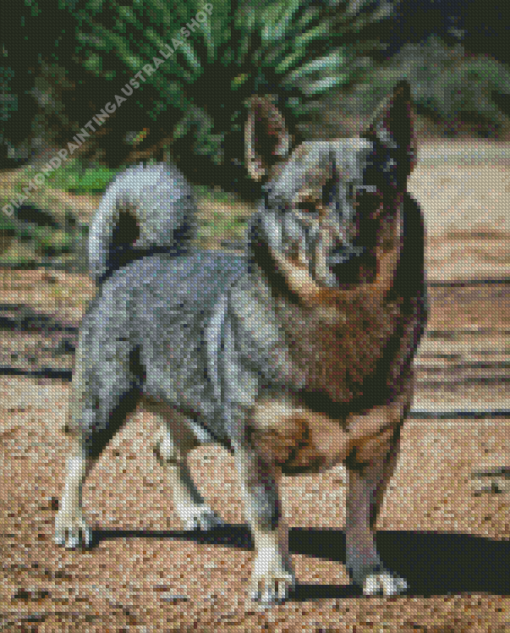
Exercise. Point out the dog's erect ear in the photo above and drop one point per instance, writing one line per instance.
(267, 140)
(393, 126)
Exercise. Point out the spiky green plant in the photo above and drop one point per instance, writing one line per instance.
(295, 50)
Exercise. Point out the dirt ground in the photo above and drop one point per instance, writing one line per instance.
(442, 527)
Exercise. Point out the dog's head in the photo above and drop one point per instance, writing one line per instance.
(331, 214)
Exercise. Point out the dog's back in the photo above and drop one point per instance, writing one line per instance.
(142, 332)
(150, 332)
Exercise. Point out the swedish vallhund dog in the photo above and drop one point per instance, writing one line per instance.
(295, 357)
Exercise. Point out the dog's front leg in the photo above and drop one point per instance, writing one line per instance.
(71, 529)
(367, 483)
(272, 576)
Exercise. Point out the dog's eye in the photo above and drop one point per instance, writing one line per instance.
(306, 206)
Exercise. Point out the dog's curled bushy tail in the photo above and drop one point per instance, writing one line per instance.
(145, 210)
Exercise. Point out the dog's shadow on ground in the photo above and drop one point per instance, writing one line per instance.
(433, 563)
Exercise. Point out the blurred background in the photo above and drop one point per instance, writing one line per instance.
(327, 64)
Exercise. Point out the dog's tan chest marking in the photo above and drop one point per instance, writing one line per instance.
(299, 440)
(295, 438)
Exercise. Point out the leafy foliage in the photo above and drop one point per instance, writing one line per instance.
(71, 177)
(450, 85)
(294, 49)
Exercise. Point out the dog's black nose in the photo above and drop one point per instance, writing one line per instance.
(345, 264)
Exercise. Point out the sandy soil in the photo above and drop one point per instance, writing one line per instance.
(445, 524)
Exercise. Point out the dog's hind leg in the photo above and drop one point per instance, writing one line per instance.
(172, 452)
(103, 395)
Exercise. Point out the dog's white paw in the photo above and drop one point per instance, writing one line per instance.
(199, 518)
(383, 582)
(72, 531)
(272, 580)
